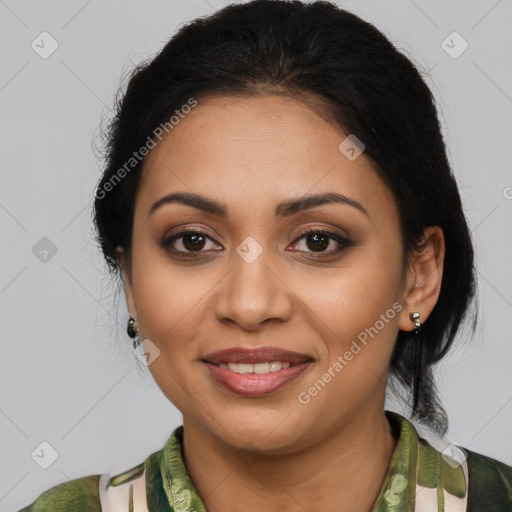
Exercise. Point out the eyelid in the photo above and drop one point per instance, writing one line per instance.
(168, 240)
(343, 241)
(324, 230)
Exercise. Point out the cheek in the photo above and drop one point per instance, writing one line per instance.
(354, 296)
(171, 308)
(358, 324)
(168, 299)
(355, 312)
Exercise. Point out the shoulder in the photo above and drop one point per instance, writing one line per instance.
(96, 493)
(481, 482)
(80, 494)
(490, 483)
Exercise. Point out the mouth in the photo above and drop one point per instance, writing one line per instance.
(256, 372)
(258, 368)
(255, 356)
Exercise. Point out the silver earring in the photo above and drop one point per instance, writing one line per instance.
(415, 317)
(419, 348)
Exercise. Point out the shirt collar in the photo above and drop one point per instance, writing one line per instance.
(419, 473)
(414, 463)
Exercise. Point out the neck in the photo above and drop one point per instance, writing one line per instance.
(349, 466)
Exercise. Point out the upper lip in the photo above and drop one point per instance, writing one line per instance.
(255, 355)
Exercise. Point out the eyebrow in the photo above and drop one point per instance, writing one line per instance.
(284, 209)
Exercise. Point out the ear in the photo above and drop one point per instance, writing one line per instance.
(423, 278)
(127, 280)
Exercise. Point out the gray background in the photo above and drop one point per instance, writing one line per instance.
(68, 374)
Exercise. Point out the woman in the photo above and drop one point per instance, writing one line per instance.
(290, 236)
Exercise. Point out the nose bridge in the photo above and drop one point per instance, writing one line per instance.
(253, 292)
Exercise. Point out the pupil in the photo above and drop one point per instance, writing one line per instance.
(192, 241)
(317, 243)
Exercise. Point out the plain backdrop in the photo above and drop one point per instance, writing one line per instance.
(68, 374)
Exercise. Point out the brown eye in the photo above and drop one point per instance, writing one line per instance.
(186, 242)
(193, 241)
(317, 241)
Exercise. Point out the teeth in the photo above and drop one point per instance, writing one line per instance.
(258, 368)
(261, 368)
(241, 368)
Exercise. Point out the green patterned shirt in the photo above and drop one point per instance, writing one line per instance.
(419, 478)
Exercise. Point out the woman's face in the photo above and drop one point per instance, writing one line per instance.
(250, 280)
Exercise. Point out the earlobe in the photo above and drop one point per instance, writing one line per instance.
(424, 278)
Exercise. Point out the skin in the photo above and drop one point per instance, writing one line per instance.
(274, 453)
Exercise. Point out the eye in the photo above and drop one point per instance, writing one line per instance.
(187, 241)
(317, 240)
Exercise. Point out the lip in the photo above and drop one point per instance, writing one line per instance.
(252, 384)
(255, 355)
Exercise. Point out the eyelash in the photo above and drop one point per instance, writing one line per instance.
(167, 242)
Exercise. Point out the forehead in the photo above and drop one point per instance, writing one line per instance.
(257, 148)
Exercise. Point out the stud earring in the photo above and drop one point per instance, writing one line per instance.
(415, 317)
(419, 356)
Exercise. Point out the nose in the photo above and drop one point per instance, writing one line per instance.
(253, 293)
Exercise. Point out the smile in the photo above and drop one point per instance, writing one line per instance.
(256, 372)
(258, 368)
(253, 384)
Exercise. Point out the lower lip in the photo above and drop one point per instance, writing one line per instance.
(253, 384)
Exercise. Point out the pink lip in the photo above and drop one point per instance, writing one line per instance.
(252, 384)
(255, 355)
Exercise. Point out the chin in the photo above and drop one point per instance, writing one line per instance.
(262, 431)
